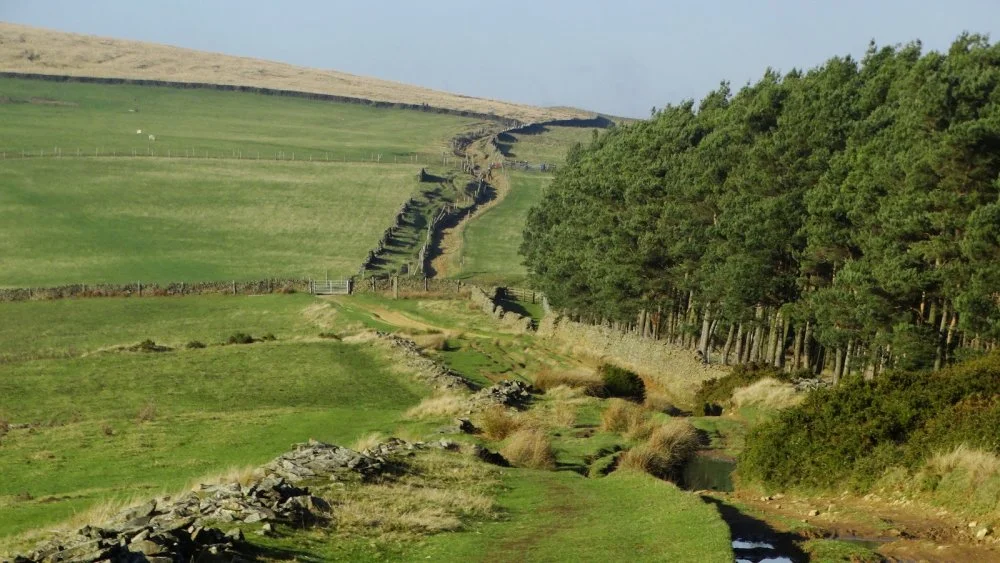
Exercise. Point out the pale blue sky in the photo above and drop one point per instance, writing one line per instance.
(619, 57)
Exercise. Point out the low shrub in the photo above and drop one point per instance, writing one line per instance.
(269, 337)
(194, 345)
(620, 382)
(240, 338)
(330, 335)
(665, 452)
(531, 448)
(497, 422)
(148, 345)
(854, 433)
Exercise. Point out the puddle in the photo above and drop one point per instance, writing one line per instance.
(707, 473)
(753, 550)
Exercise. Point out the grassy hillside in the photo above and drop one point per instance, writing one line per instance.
(489, 248)
(119, 220)
(30, 49)
(490, 241)
(41, 115)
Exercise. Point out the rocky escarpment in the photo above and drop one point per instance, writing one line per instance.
(207, 524)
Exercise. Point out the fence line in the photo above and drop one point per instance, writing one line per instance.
(445, 159)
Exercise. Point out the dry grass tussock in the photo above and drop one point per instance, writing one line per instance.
(666, 451)
(439, 406)
(437, 491)
(530, 447)
(55, 52)
(437, 342)
(497, 422)
(368, 441)
(978, 466)
(768, 393)
(657, 401)
(627, 419)
(547, 379)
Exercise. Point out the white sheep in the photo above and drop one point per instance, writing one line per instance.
(138, 131)
(152, 138)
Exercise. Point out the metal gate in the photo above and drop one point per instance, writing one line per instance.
(330, 287)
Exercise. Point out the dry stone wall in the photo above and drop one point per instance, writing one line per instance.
(676, 370)
(139, 289)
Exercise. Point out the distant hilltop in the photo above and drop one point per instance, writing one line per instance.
(42, 51)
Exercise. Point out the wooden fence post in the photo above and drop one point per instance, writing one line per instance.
(395, 287)
(138, 286)
(234, 287)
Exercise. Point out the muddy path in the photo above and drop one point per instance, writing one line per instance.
(897, 530)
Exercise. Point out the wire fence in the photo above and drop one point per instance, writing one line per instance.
(444, 159)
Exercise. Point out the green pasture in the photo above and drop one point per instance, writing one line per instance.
(130, 424)
(549, 146)
(491, 241)
(42, 115)
(158, 220)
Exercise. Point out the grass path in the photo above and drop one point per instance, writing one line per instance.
(561, 516)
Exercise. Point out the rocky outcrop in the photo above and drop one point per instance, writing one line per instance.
(189, 527)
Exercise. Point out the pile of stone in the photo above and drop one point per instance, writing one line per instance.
(433, 373)
(806, 385)
(169, 530)
(509, 393)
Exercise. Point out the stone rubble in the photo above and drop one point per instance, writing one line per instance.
(170, 530)
(508, 393)
(433, 373)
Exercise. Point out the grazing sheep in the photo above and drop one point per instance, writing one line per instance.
(152, 138)
(138, 131)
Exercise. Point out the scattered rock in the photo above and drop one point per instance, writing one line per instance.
(813, 513)
(465, 426)
(509, 393)
(982, 533)
(489, 457)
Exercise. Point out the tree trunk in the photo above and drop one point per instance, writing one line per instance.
(847, 358)
(939, 352)
(772, 337)
(739, 344)
(706, 327)
(797, 349)
(728, 347)
(758, 333)
(779, 358)
(838, 359)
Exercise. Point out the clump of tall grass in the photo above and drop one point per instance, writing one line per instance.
(442, 405)
(530, 447)
(497, 422)
(547, 379)
(626, 418)
(767, 393)
(665, 452)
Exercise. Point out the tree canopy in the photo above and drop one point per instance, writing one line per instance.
(845, 216)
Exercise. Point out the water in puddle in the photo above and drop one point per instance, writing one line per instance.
(757, 551)
(706, 473)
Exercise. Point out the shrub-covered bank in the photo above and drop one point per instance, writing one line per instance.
(858, 432)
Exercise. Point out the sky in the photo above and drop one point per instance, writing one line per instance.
(620, 57)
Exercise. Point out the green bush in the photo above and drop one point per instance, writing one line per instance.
(620, 382)
(148, 345)
(714, 393)
(194, 345)
(269, 337)
(854, 433)
(240, 338)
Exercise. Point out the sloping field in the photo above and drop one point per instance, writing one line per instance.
(41, 115)
(489, 250)
(90, 220)
(35, 50)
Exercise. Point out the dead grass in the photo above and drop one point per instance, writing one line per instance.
(435, 494)
(658, 401)
(439, 406)
(666, 451)
(626, 418)
(767, 393)
(531, 448)
(437, 342)
(368, 441)
(547, 379)
(85, 55)
(497, 422)
(978, 466)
